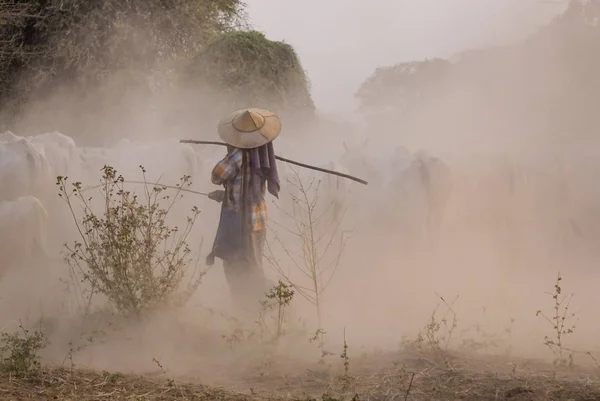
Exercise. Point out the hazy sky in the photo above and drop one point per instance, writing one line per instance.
(341, 42)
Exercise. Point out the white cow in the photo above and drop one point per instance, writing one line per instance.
(93, 159)
(418, 193)
(325, 193)
(23, 231)
(8, 136)
(363, 163)
(24, 170)
(334, 191)
(61, 152)
(166, 160)
(56, 153)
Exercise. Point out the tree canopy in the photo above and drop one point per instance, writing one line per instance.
(246, 69)
(398, 88)
(46, 43)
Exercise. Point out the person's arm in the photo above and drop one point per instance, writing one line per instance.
(227, 168)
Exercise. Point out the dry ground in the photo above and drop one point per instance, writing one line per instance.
(375, 377)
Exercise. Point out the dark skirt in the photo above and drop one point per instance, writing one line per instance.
(245, 276)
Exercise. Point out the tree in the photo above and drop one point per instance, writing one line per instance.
(50, 43)
(543, 87)
(397, 89)
(245, 68)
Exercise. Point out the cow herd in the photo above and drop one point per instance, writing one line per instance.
(30, 209)
(518, 200)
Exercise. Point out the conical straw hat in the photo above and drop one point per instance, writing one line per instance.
(249, 128)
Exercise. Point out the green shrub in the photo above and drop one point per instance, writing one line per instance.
(19, 351)
(129, 253)
(246, 69)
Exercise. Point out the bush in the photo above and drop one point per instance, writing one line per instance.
(246, 68)
(19, 351)
(130, 254)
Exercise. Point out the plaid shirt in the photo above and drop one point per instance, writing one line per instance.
(226, 172)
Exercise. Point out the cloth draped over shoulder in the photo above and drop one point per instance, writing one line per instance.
(261, 175)
(264, 168)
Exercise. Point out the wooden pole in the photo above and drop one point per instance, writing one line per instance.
(283, 160)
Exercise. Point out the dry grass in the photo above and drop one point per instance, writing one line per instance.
(389, 376)
(419, 371)
(382, 377)
(89, 385)
(416, 377)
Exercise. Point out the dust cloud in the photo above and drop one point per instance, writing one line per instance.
(491, 234)
(344, 43)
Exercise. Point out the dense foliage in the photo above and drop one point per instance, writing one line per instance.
(245, 68)
(46, 43)
(100, 69)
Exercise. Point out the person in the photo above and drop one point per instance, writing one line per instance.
(246, 172)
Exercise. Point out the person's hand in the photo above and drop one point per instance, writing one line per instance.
(217, 195)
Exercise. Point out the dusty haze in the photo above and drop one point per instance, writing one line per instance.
(341, 43)
(505, 232)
